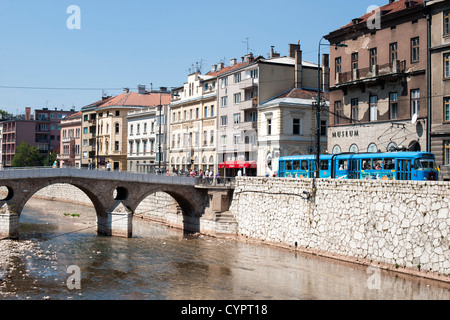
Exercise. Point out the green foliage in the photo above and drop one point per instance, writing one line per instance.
(49, 160)
(26, 156)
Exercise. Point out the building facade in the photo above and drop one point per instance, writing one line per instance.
(193, 124)
(287, 121)
(70, 148)
(439, 16)
(112, 125)
(378, 81)
(88, 132)
(147, 139)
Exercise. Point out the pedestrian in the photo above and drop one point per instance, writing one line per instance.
(90, 165)
(239, 174)
(108, 166)
(218, 177)
(55, 164)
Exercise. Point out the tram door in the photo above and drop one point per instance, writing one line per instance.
(403, 169)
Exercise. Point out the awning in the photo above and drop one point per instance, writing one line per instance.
(238, 164)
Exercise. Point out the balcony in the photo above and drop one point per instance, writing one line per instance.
(357, 76)
(248, 83)
(247, 104)
(248, 125)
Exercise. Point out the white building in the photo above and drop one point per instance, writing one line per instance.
(144, 147)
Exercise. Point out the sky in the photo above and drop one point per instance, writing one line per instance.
(58, 58)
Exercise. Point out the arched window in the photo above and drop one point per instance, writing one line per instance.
(372, 148)
(211, 160)
(336, 149)
(354, 148)
(117, 127)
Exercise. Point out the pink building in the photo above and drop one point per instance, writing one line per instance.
(70, 144)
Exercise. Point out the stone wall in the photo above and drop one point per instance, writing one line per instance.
(401, 223)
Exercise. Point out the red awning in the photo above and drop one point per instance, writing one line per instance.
(238, 164)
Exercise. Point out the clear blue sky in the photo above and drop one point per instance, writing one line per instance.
(126, 43)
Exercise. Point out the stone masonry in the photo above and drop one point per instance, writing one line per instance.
(401, 223)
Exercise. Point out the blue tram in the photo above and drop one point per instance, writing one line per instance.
(384, 166)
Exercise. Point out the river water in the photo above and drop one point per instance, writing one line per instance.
(159, 263)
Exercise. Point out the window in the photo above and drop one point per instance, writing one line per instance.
(212, 111)
(224, 82)
(206, 112)
(117, 113)
(373, 57)
(447, 109)
(354, 60)
(211, 139)
(323, 127)
(197, 113)
(116, 146)
(85, 130)
(253, 116)
(415, 104)
(269, 126)
(223, 139)
(237, 98)
(223, 120)
(415, 49)
(355, 110)
(338, 112)
(224, 101)
(205, 138)
(446, 22)
(254, 73)
(236, 138)
(446, 65)
(296, 126)
(237, 118)
(373, 101)
(117, 128)
(86, 117)
(338, 66)
(393, 106)
(393, 56)
(324, 164)
(237, 77)
(446, 153)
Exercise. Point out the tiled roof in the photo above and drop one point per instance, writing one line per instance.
(303, 94)
(134, 99)
(97, 103)
(231, 68)
(73, 116)
(387, 9)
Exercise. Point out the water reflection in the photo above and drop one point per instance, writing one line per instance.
(161, 263)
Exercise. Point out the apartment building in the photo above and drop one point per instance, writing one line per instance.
(147, 139)
(378, 81)
(287, 121)
(192, 133)
(88, 131)
(112, 124)
(439, 18)
(70, 147)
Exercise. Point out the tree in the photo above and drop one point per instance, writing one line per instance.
(49, 159)
(26, 156)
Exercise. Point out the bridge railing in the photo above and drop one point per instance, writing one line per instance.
(48, 172)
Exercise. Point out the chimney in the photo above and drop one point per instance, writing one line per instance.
(27, 113)
(298, 76)
(325, 71)
(220, 66)
(214, 68)
(273, 54)
(249, 57)
(293, 48)
(233, 62)
(126, 90)
(407, 3)
(141, 89)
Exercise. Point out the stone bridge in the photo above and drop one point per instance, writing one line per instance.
(114, 195)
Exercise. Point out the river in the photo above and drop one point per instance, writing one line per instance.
(58, 240)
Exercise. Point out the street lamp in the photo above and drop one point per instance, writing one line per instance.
(318, 106)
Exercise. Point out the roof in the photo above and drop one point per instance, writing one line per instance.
(288, 61)
(134, 99)
(230, 68)
(387, 9)
(97, 103)
(296, 95)
(73, 116)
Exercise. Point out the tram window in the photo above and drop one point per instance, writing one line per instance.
(423, 164)
(288, 165)
(296, 165)
(377, 164)
(366, 164)
(389, 164)
(342, 164)
(324, 165)
(304, 165)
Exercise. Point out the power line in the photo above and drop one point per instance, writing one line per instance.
(56, 88)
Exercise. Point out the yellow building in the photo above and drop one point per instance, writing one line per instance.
(112, 125)
(193, 125)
